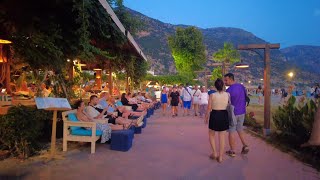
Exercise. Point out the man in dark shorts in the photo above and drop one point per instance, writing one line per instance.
(175, 97)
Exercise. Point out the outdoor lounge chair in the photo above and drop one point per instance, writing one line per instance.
(77, 130)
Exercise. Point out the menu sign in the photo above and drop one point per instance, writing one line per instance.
(50, 103)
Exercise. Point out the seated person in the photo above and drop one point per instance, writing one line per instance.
(122, 111)
(104, 96)
(82, 116)
(95, 111)
(140, 97)
(135, 107)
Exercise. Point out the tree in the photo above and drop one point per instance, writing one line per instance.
(228, 55)
(188, 50)
(216, 73)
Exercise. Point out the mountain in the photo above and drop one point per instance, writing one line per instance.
(306, 57)
(152, 38)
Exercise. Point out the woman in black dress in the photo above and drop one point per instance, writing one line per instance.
(218, 119)
(175, 97)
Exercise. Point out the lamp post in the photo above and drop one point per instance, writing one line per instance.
(5, 65)
(266, 78)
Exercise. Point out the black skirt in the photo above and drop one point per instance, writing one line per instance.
(219, 120)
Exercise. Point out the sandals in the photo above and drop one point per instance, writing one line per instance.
(231, 153)
(245, 149)
(213, 157)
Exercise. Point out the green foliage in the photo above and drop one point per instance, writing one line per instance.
(295, 123)
(187, 50)
(228, 54)
(169, 79)
(216, 73)
(251, 122)
(21, 129)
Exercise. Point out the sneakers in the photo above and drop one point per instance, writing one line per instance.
(231, 153)
(245, 149)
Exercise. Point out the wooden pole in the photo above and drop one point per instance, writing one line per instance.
(53, 133)
(8, 78)
(98, 77)
(266, 76)
(267, 91)
(110, 81)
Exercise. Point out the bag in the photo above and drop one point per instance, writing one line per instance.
(246, 97)
(230, 109)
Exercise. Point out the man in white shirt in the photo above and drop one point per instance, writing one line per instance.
(186, 94)
(195, 99)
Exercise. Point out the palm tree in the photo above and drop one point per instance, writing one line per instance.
(228, 55)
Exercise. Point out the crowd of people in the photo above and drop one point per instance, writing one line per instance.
(213, 106)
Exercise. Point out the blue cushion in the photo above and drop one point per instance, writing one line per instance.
(118, 103)
(72, 117)
(138, 130)
(144, 122)
(85, 132)
(121, 140)
(80, 131)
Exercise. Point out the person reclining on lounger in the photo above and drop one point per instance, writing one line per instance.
(95, 111)
(105, 128)
(122, 111)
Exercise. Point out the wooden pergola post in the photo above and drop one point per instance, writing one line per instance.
(266, 78)
(98, 77)
(110, 81)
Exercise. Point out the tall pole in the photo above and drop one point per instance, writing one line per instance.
(267, 92)
(266, 76)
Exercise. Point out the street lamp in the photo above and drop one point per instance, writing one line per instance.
(290, 74)
(266, 79)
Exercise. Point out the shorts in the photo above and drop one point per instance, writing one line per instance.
(174, 103)
(238, 126)
(111, 120)
(187, 104)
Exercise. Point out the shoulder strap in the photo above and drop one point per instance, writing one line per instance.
(187, 90)
(229, 98)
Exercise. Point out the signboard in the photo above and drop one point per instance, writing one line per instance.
(52, 103)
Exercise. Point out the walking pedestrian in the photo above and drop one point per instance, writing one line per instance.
(175, 97)
(203, 101)
(218, 119)
(195, 99)
(164, 100)
(238, 100)
(186, 95)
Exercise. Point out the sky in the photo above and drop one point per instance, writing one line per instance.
(288, 22)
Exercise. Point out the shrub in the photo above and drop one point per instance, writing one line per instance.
(295, 123)
(251, 122)
(21, 129)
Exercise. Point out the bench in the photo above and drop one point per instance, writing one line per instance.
(77, 130)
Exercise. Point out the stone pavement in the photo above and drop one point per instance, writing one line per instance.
(173, 148)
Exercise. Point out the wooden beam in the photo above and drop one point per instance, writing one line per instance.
(258, 46)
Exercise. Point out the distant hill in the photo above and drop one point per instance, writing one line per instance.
(153, 40)
(306, 57)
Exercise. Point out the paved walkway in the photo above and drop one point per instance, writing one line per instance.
(173, 148)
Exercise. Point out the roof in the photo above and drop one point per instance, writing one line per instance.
(116, 20)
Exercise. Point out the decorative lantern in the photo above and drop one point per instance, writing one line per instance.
(3, 59)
